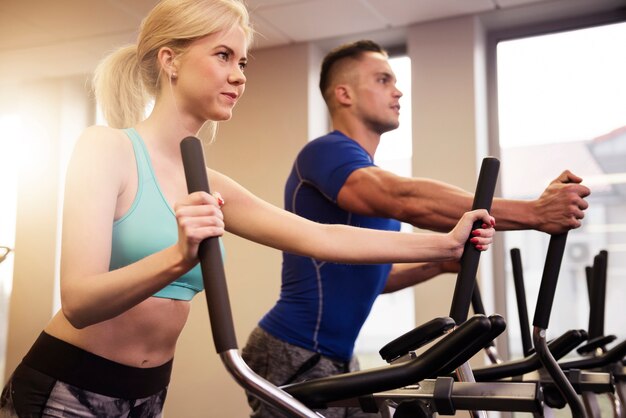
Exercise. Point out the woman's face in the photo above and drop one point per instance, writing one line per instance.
(210, 75)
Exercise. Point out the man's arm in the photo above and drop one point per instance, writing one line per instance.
(405, 275)
(435, 205)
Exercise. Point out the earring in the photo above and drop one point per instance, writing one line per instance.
(174, 75)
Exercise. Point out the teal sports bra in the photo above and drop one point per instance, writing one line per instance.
(150, 226)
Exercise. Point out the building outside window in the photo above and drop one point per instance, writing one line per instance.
(561, 105)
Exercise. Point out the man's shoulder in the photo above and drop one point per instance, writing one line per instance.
(332, 140)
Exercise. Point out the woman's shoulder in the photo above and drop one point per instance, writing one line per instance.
(104, 140)
(98, 133)
(101, 153)
(102, 148)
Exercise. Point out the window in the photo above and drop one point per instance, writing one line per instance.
(392, 314)
(561, 101)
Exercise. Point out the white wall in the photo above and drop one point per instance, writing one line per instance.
(445, 123)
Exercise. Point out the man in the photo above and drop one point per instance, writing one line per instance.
(311, 330)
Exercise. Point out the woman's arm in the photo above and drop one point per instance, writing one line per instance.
(254, 219)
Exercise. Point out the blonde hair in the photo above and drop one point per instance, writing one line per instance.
(128, 78)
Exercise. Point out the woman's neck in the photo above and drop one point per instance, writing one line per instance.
(166, 126)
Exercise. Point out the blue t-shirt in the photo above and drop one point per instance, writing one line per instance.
(322, 306)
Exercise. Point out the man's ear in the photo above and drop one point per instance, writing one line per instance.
(343, 94)
(167, 60)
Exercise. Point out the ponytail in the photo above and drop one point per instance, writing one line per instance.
(119, 89)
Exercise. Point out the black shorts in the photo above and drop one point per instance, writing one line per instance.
(61, 380)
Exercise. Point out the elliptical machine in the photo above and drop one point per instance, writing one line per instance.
(403, 387)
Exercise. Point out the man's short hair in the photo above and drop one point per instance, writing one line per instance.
(353, 50)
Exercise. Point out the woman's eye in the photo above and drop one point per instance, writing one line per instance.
(223, 55)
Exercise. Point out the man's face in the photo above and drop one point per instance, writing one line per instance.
(376, 98)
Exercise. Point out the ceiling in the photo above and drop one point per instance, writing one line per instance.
(36, 23)
(66, 35)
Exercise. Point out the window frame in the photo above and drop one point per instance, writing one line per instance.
(527, 27)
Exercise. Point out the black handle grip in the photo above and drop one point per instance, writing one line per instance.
(477, 301)
(598, 295)
(589, 281)
(520, 294)
(549, 280)
(210, 254)
(498, 325)
(416, 338)
(483, 197)
(479, 308)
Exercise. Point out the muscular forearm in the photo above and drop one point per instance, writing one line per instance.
(438, 206)
(514, 214)
(559, 208)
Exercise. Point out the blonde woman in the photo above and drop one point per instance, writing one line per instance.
(131, 232)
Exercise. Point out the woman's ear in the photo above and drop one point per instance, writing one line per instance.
(167, 60)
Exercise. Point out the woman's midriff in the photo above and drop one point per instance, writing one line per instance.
(144, 336)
